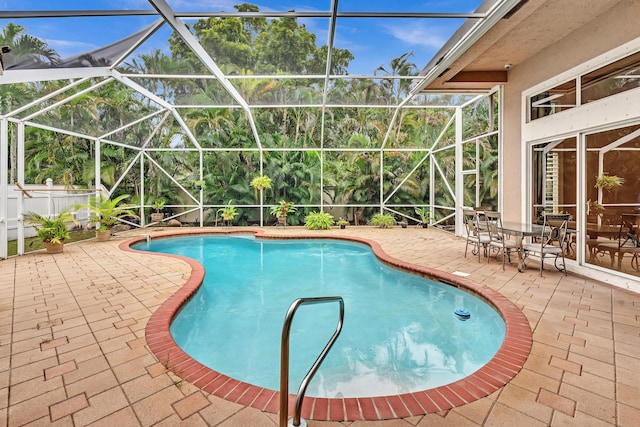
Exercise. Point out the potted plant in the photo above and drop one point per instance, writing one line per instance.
(158, 205)
(608, 182)
(228, 213)
(603, 182)
(199, 185)
(425, 216)
(318, 221)
(281, 210)
(52, 231)
(260, 183)
(342, 223)
(381, 220)
(106, 213)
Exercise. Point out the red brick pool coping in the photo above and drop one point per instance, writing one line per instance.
(501, 369)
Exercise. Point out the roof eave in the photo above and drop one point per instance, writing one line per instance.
(463, 39)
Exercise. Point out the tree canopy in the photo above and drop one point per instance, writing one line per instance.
(313, 155)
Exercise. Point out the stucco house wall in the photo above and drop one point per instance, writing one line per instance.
(617, 27)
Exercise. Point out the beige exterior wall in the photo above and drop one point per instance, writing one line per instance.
(611, 30)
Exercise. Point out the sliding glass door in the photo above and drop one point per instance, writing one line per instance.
(553, 184)
(612, 192)
(601, 193)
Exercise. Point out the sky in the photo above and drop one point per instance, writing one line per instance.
(373, 42)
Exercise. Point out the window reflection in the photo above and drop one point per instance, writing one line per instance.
(554, 187)
(614, 78)
(608, 80)
(612, 188)
(554, 172)
(559, 98)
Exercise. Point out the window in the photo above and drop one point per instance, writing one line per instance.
(614, 78)
(608, 80)
(554, 177)
(559, 98)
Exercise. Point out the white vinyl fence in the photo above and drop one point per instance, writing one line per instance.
(46, 200)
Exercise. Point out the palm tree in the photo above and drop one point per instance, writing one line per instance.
(12, 96)
(108, 212)
(397, 89)
(155, 62)
(212, 126)
(26, 50)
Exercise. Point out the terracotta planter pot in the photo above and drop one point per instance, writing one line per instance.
(54, 248)
(157, 217)
(103, 236)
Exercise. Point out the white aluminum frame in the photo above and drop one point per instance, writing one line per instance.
(78, 76)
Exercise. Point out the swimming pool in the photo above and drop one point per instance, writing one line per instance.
(400, 333)
(504, 365)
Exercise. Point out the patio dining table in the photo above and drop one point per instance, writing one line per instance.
(520, 230)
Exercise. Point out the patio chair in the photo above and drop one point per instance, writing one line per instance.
(477, 235)
(627, 241)
(497, 238)
(482, 208)
(551, 241)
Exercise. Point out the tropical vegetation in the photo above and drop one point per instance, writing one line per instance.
(228, 213)
(318, 221)
(311, 155)
(424, 214)
(106, 212)
(158, 204)
(608, 182)
(382, 220)
(51, 229)
(283, 209)
(260, 183)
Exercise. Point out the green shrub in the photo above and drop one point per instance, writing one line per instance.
(382, 220)
(424, 214)
(318, 221)
(228, 213)
(108, 212)
(282, 209)
(54, 229)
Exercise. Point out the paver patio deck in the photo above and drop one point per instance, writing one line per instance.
(73, 352)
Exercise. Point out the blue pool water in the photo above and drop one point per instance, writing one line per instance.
(400, 333)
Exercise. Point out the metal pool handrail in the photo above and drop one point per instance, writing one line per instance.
(284, 358)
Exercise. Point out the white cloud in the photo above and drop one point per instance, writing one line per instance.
(69, 47)
(419, 33)
(69, 44)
